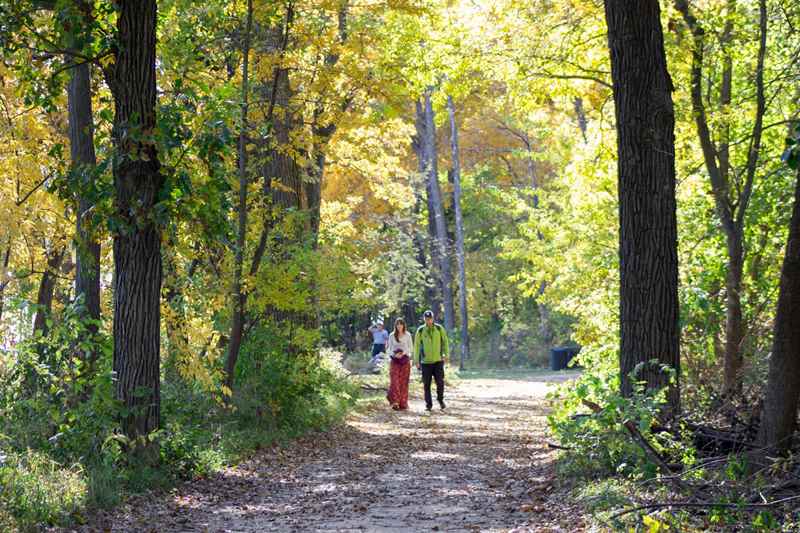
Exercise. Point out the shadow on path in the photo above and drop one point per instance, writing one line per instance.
(481, 465)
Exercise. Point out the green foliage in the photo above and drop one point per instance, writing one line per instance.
(61, 453)
(598, 443)
(36, 490)
(54, 398)
(290, 394)
(791, 156)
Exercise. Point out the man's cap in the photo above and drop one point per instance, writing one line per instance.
(379, 322)
(428, 314)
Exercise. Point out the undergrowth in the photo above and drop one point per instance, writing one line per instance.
(613, 476)
(61, 451)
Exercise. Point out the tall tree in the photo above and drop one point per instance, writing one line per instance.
(779, 415)
(731, 194)
(295, 188)
(137, 237)
(81, 143)
(433, 290)
(648, 250)
(436, 203)
(239, 295)
(462, 273)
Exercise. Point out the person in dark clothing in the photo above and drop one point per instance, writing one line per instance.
(431, 349)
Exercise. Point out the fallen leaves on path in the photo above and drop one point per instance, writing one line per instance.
(481, 465)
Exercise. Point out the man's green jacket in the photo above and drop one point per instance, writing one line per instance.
(432, 340)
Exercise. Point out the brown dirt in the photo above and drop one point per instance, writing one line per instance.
(481, 465)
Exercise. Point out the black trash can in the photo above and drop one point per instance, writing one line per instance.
(561, 356)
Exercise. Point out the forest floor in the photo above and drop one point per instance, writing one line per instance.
(483, 464)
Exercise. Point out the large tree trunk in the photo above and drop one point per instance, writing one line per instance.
(81, 141)
(462, 275)
(779, 415)
(647, 208)
(137, 239)
(433, 290)
(239, 295)
(437, 204)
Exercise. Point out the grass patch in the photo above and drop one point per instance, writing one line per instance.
(36, 490)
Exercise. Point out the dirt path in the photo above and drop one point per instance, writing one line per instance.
(481, 465)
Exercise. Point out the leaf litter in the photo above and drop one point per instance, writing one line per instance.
(481, 465)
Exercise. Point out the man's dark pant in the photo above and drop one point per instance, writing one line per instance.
(436, 371)
(378, 348)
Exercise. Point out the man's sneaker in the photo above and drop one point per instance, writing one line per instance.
(428, 408)
(442, 405)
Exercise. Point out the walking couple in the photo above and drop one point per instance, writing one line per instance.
(429, 348)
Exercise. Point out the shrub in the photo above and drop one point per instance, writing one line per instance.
(598, 444)
(291, 394)
(36, 490)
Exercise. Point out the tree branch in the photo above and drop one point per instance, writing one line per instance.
(755, 143)
(706, 505)
(22, 200)
(719, 183)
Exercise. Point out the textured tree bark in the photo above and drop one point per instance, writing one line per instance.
(440, 242)
(432, 291)
(81, 141)
(239, 296)
(647, 208)
(137, 237)
(462, 274)
(779, 415)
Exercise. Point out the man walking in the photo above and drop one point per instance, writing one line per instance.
(379, 337)
(431, 350)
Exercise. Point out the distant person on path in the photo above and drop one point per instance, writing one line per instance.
(379, 337)
(400, 347)
(431, 349)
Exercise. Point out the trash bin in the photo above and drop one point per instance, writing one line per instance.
(561, 356)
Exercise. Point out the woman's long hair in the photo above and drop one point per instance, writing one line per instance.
(397, 323)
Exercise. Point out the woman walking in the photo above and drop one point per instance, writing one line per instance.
(400, 346)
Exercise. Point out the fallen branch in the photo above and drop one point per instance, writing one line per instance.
(719, 440)
(637, 436)
(704, 505)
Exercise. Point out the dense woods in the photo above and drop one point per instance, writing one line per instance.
(205, 205)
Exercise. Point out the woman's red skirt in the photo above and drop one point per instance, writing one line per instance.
(399, 373)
